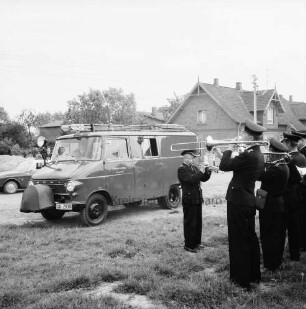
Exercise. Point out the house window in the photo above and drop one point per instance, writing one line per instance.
(201, 117)
(270, 115)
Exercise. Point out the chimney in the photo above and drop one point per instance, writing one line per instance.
(239, 86)
(291, 99)
(216, 82)
(154, 111)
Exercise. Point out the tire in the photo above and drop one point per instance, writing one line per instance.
(52, 214)
(172, 200)
(10, 187)
(95, 211)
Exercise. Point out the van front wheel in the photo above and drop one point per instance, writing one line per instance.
(95, 211)
(172, 200)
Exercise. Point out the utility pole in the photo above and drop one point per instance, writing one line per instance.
(255, 90)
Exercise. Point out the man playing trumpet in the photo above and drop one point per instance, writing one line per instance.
(190, 177)
(244, 251)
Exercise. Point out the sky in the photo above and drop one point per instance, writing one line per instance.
(52, 51)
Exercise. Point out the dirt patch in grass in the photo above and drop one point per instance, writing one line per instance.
(129, 299)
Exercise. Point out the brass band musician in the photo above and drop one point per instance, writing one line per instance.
(190, 177)
(272, 217)
(293, 195)
(301, 147)
(244, 251)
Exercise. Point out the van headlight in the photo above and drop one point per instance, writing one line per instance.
(71, 184)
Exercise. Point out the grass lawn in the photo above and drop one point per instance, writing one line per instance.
(46, 266)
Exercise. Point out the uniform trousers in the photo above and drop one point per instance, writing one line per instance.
(292, 223)
(244, 251)
(192, 224)
(302, 224)
(272, 237)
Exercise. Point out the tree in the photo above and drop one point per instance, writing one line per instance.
(13, 133)
(47, 117)
(108, 106)
(3, 115)
(28, 119)
(167, 110)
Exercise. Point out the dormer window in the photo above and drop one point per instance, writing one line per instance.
(270, 116)
(201, 117)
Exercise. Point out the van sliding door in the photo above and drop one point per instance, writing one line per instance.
(148, 169)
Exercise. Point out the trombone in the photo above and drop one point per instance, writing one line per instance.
(281, 155)
(209, 144)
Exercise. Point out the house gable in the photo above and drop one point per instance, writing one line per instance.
(288, 118)
(226, 98)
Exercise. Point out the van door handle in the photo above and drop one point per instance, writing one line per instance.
(160, 164)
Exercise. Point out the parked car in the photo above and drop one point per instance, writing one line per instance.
(13, 180)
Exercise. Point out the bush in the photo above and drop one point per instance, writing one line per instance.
(16, 150)
(4, 149)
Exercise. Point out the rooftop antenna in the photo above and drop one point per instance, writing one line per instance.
(255, 90)
(267, 73)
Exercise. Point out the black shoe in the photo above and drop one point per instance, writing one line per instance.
(200, 246)
(190, 249)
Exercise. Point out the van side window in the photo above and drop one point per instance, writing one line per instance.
(116, 148)
(149, 147)
(135, 147)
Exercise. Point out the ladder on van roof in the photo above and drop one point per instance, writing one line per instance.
(93, 127)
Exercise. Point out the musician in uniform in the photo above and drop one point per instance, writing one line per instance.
(190, 177)
(244, 251)
(293, 195)
(301, 147)
(272, 216)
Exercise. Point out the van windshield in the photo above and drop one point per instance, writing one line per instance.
(85, 148)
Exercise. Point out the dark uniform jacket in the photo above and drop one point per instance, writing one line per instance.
(293, 194)
(190, 178)
(247, 167)
(274, 180)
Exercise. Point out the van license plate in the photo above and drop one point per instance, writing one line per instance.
(63, 206)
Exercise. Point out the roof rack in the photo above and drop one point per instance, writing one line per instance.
(93, 127)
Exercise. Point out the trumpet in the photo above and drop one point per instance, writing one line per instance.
(209, 144)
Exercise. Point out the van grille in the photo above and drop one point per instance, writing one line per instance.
(56, 185)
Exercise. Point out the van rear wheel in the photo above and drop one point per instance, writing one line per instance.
(95, 211)
(172, 200)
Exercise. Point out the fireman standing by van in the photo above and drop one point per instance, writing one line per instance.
(190, 177)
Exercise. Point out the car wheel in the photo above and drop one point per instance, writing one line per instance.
(10, 187)
(95, 211)
(172, 200)
(52, 214)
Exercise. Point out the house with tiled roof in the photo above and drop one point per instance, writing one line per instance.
(211, 109)
(155, 117)
(51, 130)
(299, 110)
